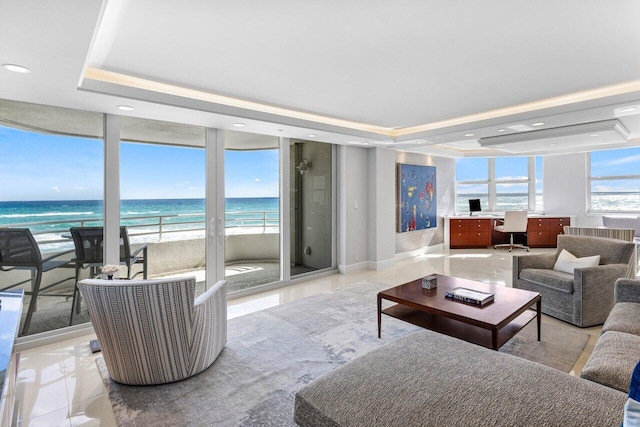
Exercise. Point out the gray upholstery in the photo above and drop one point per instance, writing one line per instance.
(627, 290)
(613, 359)
(618, 349)
(589, 298)
(154, 331)
(624, 317)
(429, 379)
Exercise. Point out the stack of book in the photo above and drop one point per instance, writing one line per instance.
(469, 296)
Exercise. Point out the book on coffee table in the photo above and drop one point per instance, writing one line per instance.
(469, 296)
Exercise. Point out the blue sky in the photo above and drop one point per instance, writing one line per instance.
(36, 166)
(607, 163)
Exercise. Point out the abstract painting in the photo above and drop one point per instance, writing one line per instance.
(417, 192)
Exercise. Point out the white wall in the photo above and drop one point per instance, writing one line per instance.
(353, 189)
(445, 200)
(381, 235)
(565, 188)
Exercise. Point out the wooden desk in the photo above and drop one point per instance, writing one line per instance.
(477, 231)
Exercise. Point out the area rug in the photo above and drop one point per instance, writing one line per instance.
(272, 353)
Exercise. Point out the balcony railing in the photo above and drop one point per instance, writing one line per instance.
(161, 227)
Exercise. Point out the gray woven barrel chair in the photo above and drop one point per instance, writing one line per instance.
(156, 331)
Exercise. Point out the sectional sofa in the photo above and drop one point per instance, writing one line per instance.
(429, 379)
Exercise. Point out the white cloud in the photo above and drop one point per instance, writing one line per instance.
(620, 161)
(513, 178)
(79, 188)
(256, 180)
(56, 188)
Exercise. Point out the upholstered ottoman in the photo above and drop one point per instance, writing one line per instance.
(429, 379)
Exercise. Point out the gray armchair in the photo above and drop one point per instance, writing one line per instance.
(585, 297)
(154, 331)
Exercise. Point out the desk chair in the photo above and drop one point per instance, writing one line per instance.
(514, 222)
(19, 251)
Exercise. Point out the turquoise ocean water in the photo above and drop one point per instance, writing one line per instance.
(600, 201)
(59, 215)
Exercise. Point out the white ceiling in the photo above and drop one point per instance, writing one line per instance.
(387, 73)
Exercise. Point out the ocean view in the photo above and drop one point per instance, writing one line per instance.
(55, 217)
(600, 201)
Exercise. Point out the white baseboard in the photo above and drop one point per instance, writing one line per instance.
(346, 269)
(50, 337)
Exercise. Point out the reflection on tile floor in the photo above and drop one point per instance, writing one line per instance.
(59, 384)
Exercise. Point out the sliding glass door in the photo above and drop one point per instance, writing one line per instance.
(252, 210)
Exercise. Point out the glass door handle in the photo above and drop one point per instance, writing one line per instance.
(220, 230)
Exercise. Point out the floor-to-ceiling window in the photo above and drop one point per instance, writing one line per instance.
(162, 192)
(311, 206)
(51, 179)
(53, 176)
(252, 210)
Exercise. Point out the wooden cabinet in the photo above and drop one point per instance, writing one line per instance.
(543, 232)
(477, 232)
(470, 232)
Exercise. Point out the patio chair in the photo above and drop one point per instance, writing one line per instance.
(88, 242)
(156, 331)
(19, 251)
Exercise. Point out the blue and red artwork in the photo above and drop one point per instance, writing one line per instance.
(417, 188)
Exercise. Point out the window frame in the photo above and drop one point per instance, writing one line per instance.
(591, 178)
(492, 183)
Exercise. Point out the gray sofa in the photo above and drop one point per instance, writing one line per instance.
(429, 379)
(618, 349)
(585, 297)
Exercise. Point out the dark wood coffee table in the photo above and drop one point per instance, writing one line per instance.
(491, 325)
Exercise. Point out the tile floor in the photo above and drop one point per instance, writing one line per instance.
(59, 384)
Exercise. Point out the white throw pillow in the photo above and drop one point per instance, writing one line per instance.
(567, 262)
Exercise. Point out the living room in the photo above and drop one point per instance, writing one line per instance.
(60, 380)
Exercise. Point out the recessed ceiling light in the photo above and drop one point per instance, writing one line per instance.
(312, 135)
(501, 130)
(239, 125)
(469, 134)
(553, 144)
(420, 142)
(537, 124)
(16, 68)
(125, 108)
(499, 146)
(628, 109)
(594, 134)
